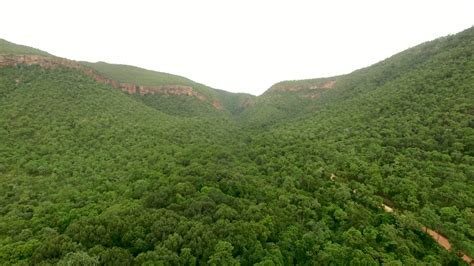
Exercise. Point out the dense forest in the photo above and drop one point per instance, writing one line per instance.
(92, 175)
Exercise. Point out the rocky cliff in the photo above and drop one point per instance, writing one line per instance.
(295, 86)
(54, 62)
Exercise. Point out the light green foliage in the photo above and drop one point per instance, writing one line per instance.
(139, 76)
(78, 259)
(11, 48)
(223, 255)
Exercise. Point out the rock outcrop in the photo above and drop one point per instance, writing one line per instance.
(314, 85)
(55, 62)
(327, 85)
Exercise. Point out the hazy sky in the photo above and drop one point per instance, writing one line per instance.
(240, 46)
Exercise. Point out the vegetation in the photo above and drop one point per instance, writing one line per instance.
(183, 106)
(93, 176)
(11, 48)
(139, 76)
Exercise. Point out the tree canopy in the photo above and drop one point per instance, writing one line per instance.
(90, 175)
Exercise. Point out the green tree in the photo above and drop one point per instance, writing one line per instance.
(79, 258)
(223, 255)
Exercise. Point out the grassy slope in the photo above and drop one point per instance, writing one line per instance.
(11, 48)
(171, 104)
(139, 76)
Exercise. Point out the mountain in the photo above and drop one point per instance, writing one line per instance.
(288, 99)
(402, 126)
(204, 100)
(168, 93)
(104, 164)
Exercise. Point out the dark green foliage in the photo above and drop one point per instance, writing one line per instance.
(92, 176)
(179, 105)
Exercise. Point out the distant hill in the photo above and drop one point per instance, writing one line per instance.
(11, 48)
(289, 100)
(216, 100)
(169, 93)
(140, 76)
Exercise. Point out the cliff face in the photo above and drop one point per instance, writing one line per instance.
(45, 62)
(291, 86)
(311, 88)
(52, 62)
(163, 89)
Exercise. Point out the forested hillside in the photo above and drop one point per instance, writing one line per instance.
(93, 175)
(209, 101)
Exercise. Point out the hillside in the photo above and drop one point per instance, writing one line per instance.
(105, 164)
(207, 101)
(289, 100)
(403, 127)
(12, 48)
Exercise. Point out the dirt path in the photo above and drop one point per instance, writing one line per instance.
(440, 239)
(443, 241)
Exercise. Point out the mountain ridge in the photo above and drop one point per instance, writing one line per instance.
(50, 62)
(129, 79)
(173, 79)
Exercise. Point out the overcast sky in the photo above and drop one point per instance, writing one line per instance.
(239, 46)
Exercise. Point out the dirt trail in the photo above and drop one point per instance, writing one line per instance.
(440, 239)
(443, 241)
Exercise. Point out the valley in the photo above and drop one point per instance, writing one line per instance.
(105, 164)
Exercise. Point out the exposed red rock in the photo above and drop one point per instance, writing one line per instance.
(329, 84)
(283, 88)
(53, 62)
(217, 105)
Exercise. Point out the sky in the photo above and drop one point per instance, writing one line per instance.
(238, 46)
